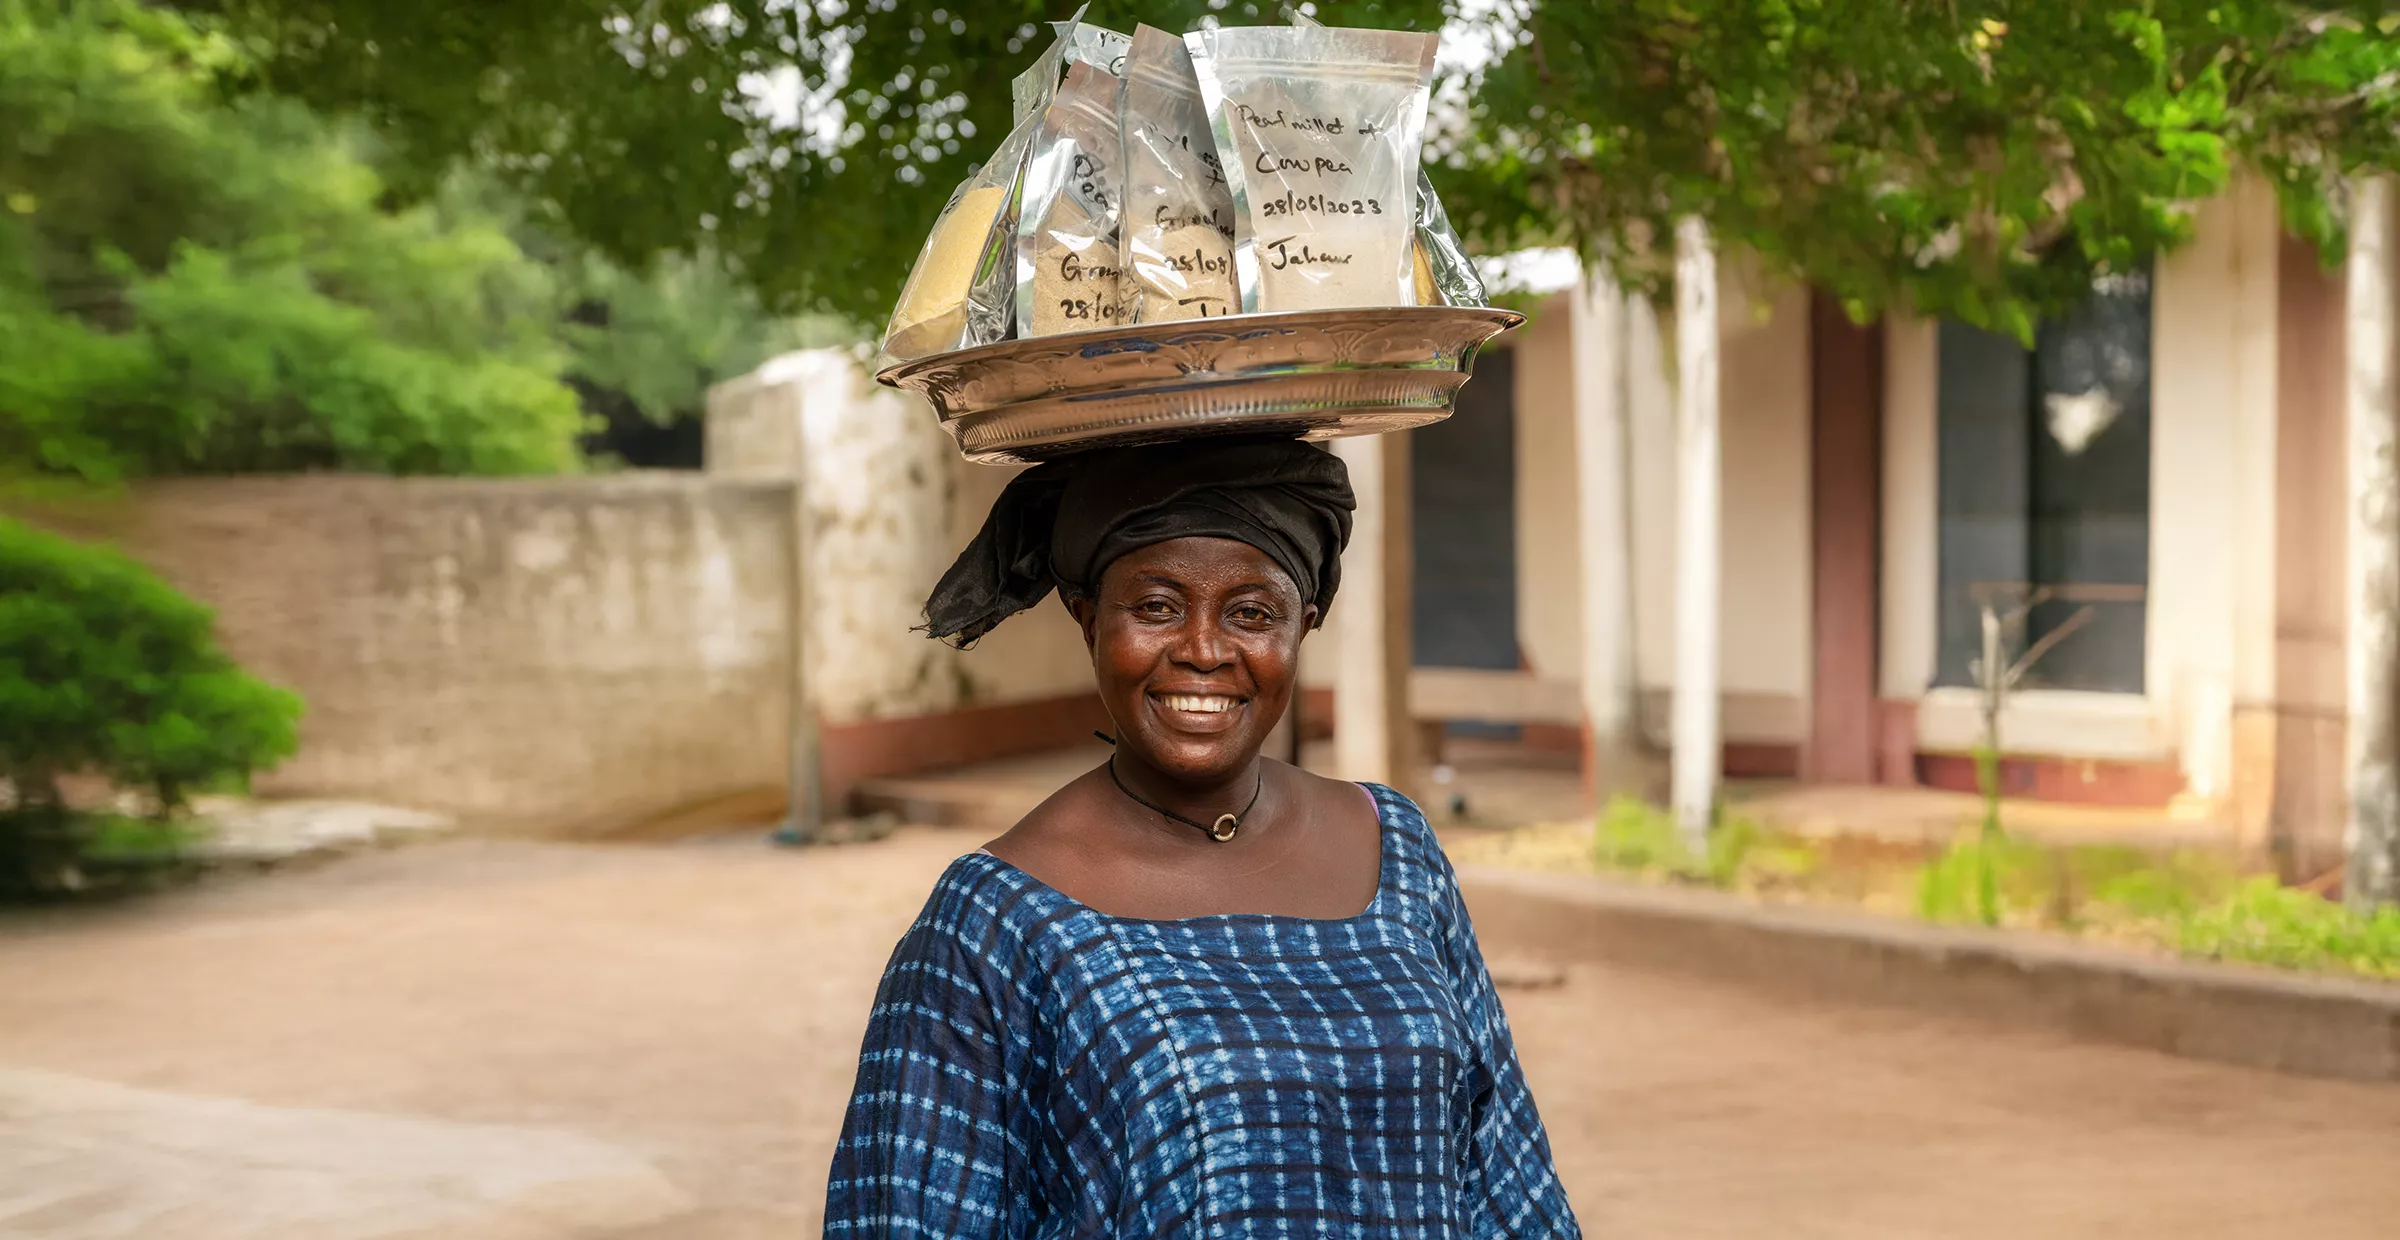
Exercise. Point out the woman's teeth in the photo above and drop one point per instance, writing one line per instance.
(1207, 703)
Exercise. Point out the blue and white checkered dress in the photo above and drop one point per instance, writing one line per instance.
(1035, 1068)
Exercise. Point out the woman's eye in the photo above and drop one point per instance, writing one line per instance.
(1156, 608)
(1253, 615)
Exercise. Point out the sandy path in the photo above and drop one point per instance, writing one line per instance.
(695, 1009)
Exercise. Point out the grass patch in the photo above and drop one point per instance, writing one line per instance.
(2264, 922)
(2188, 903)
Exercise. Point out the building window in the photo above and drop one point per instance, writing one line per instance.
(1464, 525)
(2045, 490)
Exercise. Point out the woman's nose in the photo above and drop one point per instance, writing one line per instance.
(1203, 645)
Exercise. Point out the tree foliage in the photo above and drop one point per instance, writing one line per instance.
(812, 144)
(191, 282)
(1983, 159)
(187, 285)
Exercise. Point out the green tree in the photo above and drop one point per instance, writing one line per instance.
(810, 144)
(1985, 160)
(192, 285)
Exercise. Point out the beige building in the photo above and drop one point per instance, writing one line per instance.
(2165, 474)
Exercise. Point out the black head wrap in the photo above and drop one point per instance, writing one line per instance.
(1058, 524)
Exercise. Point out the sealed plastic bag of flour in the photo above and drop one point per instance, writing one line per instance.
(1444, 275)
(1067, 272)
(1177, 209)
(961, 293)
(1078, 43)
(1319, 129)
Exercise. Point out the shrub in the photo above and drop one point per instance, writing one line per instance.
(1635, 836)
(106, 670)
(2264, 922)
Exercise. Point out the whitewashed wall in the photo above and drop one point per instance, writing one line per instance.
(890, 502)
(1764, 639)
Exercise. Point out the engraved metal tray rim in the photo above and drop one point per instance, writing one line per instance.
(1022, 400)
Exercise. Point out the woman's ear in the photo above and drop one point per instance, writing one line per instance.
(1086, 613)
(1312, 618)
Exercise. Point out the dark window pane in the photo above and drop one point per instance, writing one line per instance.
(1464, 482)
(2045, 483)
(1983, 483)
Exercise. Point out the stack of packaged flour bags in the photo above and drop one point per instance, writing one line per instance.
(1167, 177)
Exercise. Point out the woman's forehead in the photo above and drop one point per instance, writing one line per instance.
(1198, 560)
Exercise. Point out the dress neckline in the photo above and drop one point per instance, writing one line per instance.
(1386, 861)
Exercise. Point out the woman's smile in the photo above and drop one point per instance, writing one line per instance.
(1198, 712)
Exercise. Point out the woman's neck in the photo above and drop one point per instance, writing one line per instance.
(1198, 801)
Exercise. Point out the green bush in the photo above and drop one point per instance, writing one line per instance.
(1641, 838)
(2264, 922)
(105, 670)
(1989, 878)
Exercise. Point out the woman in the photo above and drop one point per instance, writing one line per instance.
(1194, 993)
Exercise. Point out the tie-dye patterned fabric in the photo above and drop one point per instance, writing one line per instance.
(1034, 1068)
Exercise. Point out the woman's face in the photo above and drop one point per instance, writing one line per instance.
(1194, 643)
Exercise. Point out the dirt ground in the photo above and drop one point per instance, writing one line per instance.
(690, 1013)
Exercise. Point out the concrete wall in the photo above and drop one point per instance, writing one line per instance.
(1549, 540)
(561, 649)
(2212, 530)
(890, 502)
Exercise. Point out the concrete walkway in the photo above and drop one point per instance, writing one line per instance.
(482, 1040)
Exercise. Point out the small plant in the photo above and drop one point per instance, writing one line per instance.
(2265, 922)
(1637, 836)
(105, 670)
(1642, 838)
(1964, 882)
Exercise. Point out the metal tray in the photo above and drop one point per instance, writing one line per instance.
(1318, 374)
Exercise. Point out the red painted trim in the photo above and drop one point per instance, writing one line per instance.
(854, 752)
(1316, 714)
(1555, 738)
(2073, 781)
(1846, 533)
(1896, 742)
(1761, 760)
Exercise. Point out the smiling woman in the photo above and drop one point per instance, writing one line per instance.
(1195, 992)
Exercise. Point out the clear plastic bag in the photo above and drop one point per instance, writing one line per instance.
(1445, 275)
(1319, 129)
(1078, 43)
(1068, 276)
(1445, 272)
(960, 294)
(1177, 212)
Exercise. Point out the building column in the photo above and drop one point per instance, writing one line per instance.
(2311, 574)
(1373, 733)
(1611, 726)
(1845, 489)
(2372, 836)
(1697, 737)
(1909, 574)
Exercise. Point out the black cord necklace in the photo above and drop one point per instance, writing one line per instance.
(1227, 824)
